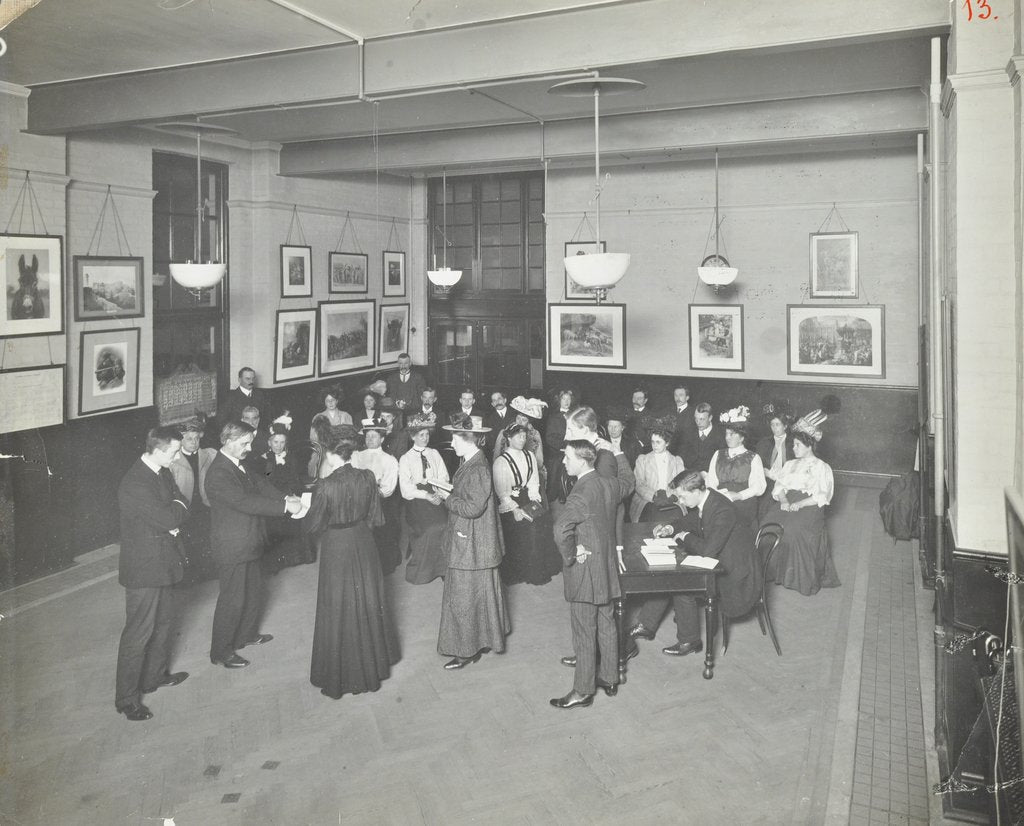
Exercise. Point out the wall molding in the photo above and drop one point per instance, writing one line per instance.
(1015, 68)
(14, 174)
(115, 189)
(14, 89)
(809, 206)
(355, 215)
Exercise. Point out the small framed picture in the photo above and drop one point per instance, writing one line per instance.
(346, 272)
(393, 264)
(587, 336)
(347, 336)
(716, 337)
(834, 265)
(108, 376)
(573, 291)
(296, 271)
(108, 287)
(394, 332)
(32, 268)
(295, 345)
(836, 341)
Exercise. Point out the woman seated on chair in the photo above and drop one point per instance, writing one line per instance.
(775, 449)
(803, 561)
(736, 471)
(653, 473)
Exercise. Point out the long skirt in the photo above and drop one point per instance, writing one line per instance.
(803, 561)
(428, 558)
(473, 613)
(354, 640)
(530, 553)
(387, 535)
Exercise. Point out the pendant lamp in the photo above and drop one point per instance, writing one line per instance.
(714, 270)
(597, 271)
(445, 278)
(193, 275)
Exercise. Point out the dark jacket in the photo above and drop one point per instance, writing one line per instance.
(700, 453)
(684, 433)
(406, 391)
(473, 539)
(151, 507)
(230, 410)
(238, 503)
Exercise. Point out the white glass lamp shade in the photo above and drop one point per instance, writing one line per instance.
(444, 277)
(597, 270)
(198, 276)
(717, 276)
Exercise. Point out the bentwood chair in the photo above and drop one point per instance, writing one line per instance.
(767, 540)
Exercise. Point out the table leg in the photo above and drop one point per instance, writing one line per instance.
(624, 640)
(710, 630)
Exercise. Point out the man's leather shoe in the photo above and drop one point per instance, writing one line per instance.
(461, 662)
(234, 661)
(611, 689)
(681, 649)
(136, 712)
(641, 630)
(570, 662)
(573, 700)
(177, 678)
(262, 638)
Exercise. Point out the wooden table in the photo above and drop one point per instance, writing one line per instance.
(641, 578)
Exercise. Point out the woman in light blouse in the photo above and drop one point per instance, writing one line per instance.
(530, 554)
(425, 516)
(803, 560)
(653, 472)
(736, 471)
(324, 429)
(527, 411)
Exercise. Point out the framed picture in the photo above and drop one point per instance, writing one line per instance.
(587, 336)
(394, 332)
(836, 341)
(32, 268)
(573, 291)
(295, 345)
(108, 287)
(346, 272)
(393, 265)
(296, 271)
(716, 337)
(834, 265)
(31, 397)
(108, 377)
(346, 335)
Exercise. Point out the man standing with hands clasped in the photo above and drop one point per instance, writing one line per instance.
(238, 503)
(151, 562)
(585, 536)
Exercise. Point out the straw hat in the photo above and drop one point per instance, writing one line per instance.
(534, 408)
(467, 424)
(372, 424)
(420, 422)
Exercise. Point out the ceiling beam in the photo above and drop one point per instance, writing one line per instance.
(862, 116)
(566, 41)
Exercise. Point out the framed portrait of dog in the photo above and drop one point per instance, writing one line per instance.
(32, 268)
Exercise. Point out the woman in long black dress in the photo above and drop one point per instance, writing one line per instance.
(354, 641)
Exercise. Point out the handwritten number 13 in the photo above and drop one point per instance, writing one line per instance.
(984, 9)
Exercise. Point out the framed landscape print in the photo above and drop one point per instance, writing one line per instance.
(32, 269)
(573, 291)
(347, 335)
(587, 336)
(834, 265)
(296, 271)
(108, 287)
(346, 272)
(836, 341)
(716, 337)
(295, 345)
(393, 264)
(394, 332)
(108, 377)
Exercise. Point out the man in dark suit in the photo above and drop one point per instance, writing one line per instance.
(622, 438)
(641, 418)
(238, 503)
(710, 527)
(246, 394)
(584, 534)
(709, 438)
(261, 435)
(684, 431)
(500, 417)
(405, 385)
(429, 409)
(151, 562)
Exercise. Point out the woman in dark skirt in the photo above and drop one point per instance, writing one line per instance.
(354, 641)
(736, 471)
(424, 516)
(530, 554)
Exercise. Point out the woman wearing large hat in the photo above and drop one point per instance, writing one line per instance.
(424, 515)
(735, 470)
(529, 412)
(474, 619)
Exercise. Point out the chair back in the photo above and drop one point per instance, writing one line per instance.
(767, 540)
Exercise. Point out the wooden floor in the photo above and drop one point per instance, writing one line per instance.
(261, 745)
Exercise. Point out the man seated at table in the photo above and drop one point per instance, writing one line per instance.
(709, 527)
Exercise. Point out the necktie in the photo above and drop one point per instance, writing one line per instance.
(168, 480)
(426, 465)
(703, 435)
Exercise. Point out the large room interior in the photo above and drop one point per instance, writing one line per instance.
(400, 136)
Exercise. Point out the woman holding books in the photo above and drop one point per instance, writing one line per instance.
(425, 517)
(530, 554)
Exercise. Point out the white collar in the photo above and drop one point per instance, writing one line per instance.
(231, 459)
(244, 391)
(736, 451)
(153, 466)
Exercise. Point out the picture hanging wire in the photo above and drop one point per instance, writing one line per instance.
(348, 225)
(26, 195)
(584, 222)
(118, 226)
(296, 224)
(826, 224)
(394, 234)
